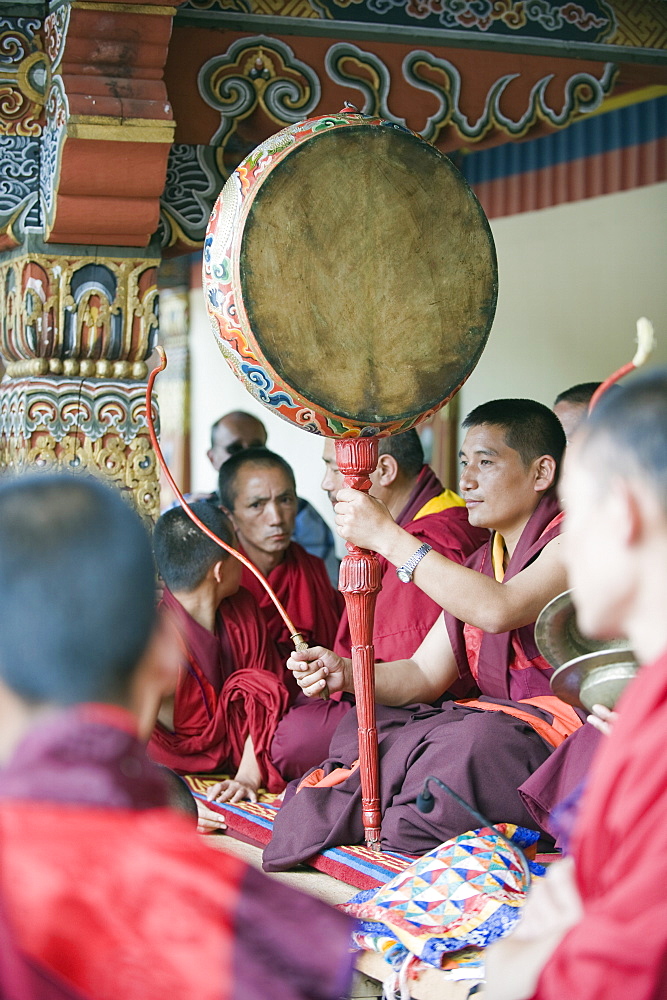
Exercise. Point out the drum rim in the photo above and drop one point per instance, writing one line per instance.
(393, 423)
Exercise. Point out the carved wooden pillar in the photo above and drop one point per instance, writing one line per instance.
(360, 581)
(74, 336)
(85, 133)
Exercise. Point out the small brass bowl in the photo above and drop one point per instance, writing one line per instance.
(597, 678)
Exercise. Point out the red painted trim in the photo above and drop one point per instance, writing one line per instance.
(608, 173)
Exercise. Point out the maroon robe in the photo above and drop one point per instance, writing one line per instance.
(303, 587)
(558, 779)
(230, 686)
(482, 754)
(109, 890)
(404, 615)
(497, 653)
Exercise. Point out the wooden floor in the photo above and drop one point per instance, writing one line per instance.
(372, 969)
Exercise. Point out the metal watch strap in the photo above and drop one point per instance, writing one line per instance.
(405, 572)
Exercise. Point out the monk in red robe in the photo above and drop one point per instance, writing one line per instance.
(404, 614)
(257, 489)
(484, 747)
(595, 928)
(230, 693)
(103, 885)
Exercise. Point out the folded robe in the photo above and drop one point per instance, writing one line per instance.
(619, 947)
(403, 616)
(230, 687)
(302, 586)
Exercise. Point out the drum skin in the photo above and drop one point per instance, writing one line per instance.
(350, 276)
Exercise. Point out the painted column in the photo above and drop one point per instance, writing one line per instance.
(85, 133)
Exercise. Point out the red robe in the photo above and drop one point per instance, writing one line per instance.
(404, 614)
(619, 948)
(231, 685)
(303, 587)
(110, 891)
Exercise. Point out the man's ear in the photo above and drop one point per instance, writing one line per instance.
(218, 569)
(209, 455)
(545, 472)
(387, 469)
(230, 515)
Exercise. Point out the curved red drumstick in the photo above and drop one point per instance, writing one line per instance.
(645, 345)
(295, 635)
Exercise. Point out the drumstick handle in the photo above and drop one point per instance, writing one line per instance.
(295, 635)
(360, 581)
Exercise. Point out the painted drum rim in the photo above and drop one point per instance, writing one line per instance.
(250, 365)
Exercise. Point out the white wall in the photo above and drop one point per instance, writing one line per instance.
(573, 281)
(215, 390)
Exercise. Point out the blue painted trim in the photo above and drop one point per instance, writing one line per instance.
(603, 133)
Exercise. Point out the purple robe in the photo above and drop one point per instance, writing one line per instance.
(558, 780)
(404, 615)
(482, 755)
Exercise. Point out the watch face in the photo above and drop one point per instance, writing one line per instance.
(403, 575)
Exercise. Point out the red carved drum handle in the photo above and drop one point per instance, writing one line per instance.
(359, 583)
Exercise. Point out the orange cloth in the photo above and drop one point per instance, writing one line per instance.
(565, 719)
(318, 779)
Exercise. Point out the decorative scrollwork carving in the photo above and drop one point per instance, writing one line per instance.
(82, 427)
(79, 316)
(583, 93)
(258, 71)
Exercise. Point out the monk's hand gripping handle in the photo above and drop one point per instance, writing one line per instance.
(300, 644)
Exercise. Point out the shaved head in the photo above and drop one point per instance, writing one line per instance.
(615, 498)
(232, 433)
(529, 427)
(407, 449)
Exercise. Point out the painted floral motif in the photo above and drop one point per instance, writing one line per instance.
(587, 20)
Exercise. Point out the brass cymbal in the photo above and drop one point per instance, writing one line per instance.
(558, 637)
(596, 678)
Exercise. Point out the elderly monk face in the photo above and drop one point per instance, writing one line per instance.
(499, 490)
(265, 507)
(333, 477)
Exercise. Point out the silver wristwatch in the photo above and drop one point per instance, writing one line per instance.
(405, 572)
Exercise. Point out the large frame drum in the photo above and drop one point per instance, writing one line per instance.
(351, 282)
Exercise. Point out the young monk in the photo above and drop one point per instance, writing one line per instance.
(420, 504)
(230, 695)
(403, 613)
(257, 489)
(104, 888)
(596, 928)
(483, 748)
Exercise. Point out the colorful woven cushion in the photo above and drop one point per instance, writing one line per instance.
(464, 894)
